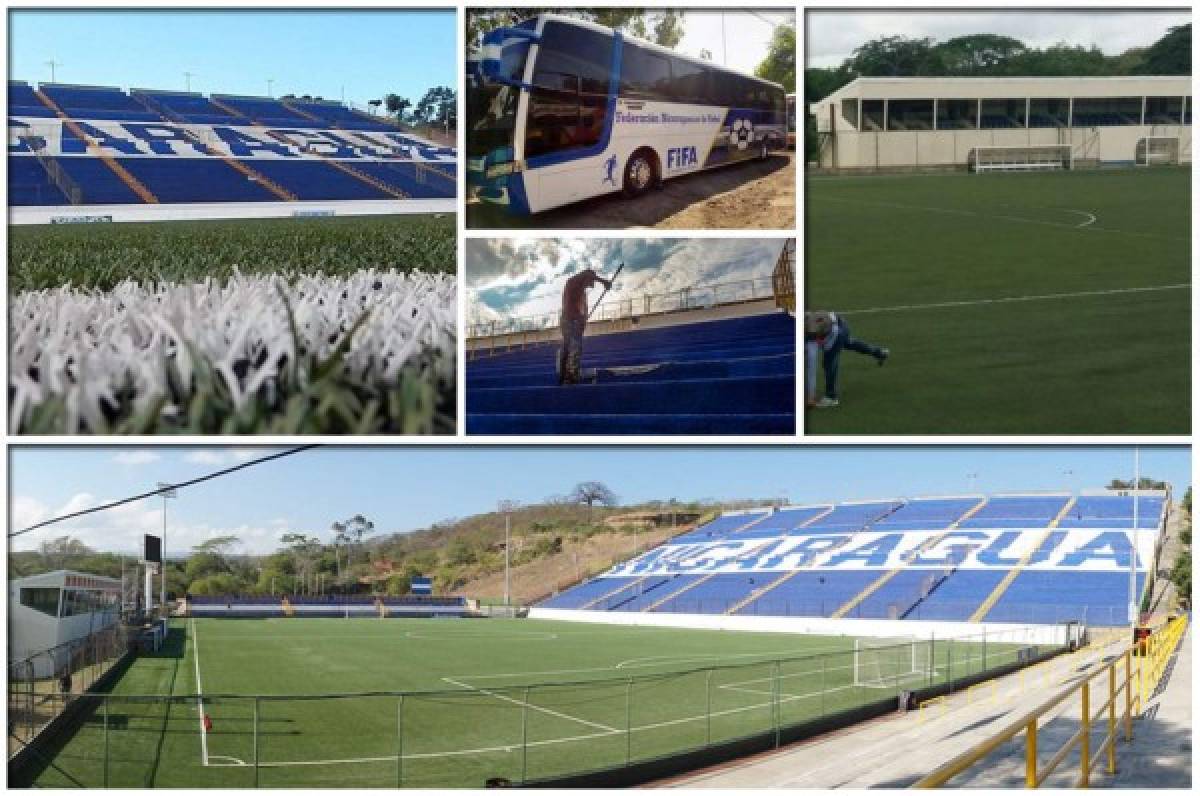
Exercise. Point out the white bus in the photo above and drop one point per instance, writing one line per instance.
(564, 110)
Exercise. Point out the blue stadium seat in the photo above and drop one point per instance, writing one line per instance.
(851, 517)
(1050, 597)
(719, 528)
(926, 514)
(181, 179)
(744, 387)
(1017, 511)
(188, 107)
(807, 593)
(97, 182)
(1113, 511)
(315, 179)
(30, 185)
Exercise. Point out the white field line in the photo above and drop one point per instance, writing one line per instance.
(199, 693)
(1017, 299)
(538, 708)
(1091, 219)
(999, 216)
(513, 747)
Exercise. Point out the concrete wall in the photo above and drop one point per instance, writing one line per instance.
(223, 210)
(870, 628)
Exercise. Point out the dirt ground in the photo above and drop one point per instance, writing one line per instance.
(757, 194)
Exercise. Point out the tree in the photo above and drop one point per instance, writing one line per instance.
(348, 534)
(780, 64)
(395, 105)
(1170, 55)
(977, 54)
(57, 553)
(662, 27)
(592, 492)
(895, 56)
(668, 29)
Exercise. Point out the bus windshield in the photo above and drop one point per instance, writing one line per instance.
(492, 101)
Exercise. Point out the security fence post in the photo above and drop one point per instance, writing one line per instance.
(1031, 778)
(824, 658)
(984, 666)
(400, 742)
(629, 721)
(708, 707)
(525, 737)
(1128, 695)
(1085, 739)
(256, 741)
(777, 707)
(950, 660)
(1112, 718)
(105, 740)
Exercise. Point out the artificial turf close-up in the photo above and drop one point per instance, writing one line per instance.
(103, 255)
(452, 703)
(1053, 303)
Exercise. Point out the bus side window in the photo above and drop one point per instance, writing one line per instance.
(644, 74)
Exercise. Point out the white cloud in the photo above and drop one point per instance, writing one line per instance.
(204, 456)
(136, 457)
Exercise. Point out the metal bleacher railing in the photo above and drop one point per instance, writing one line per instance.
(687, 298)
(1130, 677)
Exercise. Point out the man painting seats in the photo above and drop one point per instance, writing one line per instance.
(828, 334)
(573, 320)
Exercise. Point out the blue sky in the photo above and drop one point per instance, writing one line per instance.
(369, 53)
(404, 489)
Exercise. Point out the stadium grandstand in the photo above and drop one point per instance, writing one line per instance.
(1019, 558)
(336, 606)
(77, 146)
(717, 359)
(1003, 123)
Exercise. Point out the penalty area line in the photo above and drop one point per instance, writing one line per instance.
(538, 708)
(199, 694)
(1017, 299)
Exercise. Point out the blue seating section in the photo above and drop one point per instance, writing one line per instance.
(816, 577)
(176, 179)
(100, 186)
(851, 517)
(719, 528)
(815, 593)
(195, 180)
(184, 107)
(734, 376)
(23, 102)
(1116, 511)
(29, 184)
(782, 522)
(316, 180)
(926, 514)
(1017, 511)
(1043, 597)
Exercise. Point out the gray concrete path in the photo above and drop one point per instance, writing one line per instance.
(898, 750)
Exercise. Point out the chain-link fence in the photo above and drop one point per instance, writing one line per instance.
(687, 298)
(42, 685)
(496, 728)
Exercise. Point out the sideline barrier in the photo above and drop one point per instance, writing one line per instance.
(1134, 675)
(657, 720)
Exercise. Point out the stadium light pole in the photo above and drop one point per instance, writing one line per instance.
(168, 492)
(187, 80)
(270, 82)
(972, 480)
(507, 506)
(52, 63)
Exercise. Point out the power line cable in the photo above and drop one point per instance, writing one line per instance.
(164, 488)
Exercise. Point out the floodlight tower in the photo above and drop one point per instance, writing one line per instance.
(52, 64)
(168, 493)
(507, 507)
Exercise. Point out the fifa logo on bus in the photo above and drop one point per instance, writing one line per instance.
(741, 133)
(681, 157)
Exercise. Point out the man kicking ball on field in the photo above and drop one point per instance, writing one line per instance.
(829, 334)
(573, 320)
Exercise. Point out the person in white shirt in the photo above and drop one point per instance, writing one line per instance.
(828, 334)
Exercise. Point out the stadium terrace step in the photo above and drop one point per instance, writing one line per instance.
(604, 424)
(767, 394)
(375, 183)
(738, 368)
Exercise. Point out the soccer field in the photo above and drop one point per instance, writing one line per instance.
(439, 703)
(1012, 303)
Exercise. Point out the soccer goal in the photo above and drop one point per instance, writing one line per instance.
(1019, 158)
(891, 662)
(1157, 151)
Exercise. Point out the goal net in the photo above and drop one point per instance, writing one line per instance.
(892, 662)
(1019, 158)
(1157, 151)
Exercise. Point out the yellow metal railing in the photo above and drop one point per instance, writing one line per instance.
(1130, 677)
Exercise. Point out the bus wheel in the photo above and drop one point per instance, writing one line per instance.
(639, 173)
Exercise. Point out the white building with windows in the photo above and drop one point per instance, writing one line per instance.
(48, 610)
(904, 124)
